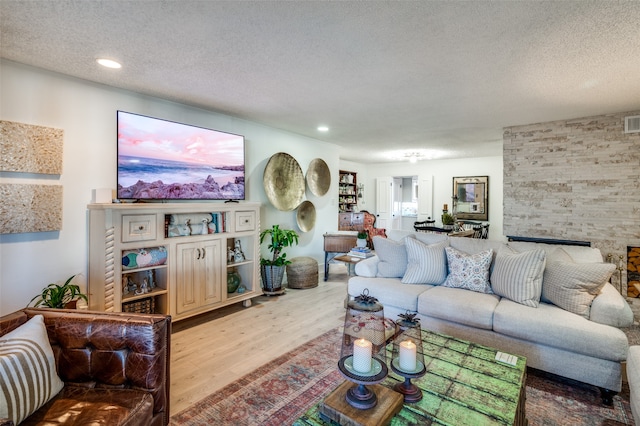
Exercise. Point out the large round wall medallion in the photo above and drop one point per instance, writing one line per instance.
(283, 182)
(318, 177)
(306, 216)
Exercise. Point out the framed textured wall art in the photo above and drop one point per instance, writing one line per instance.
(30, 208)
(26, 148)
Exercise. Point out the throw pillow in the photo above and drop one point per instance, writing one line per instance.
(518, 276)
(392, 255)
(469, 271)
(573, 286)
(28, 377)
(426, 264)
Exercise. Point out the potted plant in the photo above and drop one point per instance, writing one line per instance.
(362, 239)
(447, 221)
(59, 296)
(272, 270)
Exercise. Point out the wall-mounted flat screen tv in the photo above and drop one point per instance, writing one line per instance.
(164, 160)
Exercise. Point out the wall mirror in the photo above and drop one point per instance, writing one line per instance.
(472, 194)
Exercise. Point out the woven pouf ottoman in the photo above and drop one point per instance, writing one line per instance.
(302, 272)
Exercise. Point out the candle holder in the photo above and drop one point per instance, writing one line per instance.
(407, 356)
(363, 353)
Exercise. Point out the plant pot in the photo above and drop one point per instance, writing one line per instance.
(272, 279)
(361, 242)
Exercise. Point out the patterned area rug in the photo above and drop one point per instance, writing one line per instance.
(279, 392)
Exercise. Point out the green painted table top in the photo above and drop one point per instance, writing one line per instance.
(464, 385)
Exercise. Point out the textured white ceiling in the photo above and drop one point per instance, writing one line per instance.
(443, 77)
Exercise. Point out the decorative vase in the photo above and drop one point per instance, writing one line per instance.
(233, 281)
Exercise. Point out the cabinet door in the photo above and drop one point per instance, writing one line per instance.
(199, 275)
(187, 289)
(211, 270)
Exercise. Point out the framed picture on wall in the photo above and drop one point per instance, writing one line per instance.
(472, 194)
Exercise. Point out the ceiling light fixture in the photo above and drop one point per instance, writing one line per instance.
(323, 129)
(109, 63)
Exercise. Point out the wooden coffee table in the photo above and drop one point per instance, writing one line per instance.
(464, 385)
(350, 261)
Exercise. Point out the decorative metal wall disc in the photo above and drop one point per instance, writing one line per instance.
(306, 216)
(318, 177)
(283, 182)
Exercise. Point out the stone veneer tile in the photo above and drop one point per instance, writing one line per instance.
(574, 179)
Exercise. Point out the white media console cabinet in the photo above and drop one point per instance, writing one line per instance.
(172, 258)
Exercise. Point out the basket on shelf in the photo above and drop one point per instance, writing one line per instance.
(140, 306)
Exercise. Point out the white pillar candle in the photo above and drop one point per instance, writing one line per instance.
(362, 356)
(407, 356)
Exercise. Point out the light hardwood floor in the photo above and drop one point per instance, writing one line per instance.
(215, 349)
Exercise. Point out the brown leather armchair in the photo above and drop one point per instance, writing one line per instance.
(115, 367)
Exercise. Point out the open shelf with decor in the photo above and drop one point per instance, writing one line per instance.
(172, 258)
(347, 192)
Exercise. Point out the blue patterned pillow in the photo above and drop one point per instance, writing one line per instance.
(469, 271)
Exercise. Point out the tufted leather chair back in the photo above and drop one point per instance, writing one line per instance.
(108, 350)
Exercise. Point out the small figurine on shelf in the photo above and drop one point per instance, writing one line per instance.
(152, 281)
(230, 255)
(125, 285)
(132, 286)
(205, 226)
(238, 254)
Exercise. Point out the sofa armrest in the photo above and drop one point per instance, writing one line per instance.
(610, 308)
(112, 350)
(367, 267)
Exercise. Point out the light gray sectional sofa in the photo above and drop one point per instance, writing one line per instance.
(552, 304)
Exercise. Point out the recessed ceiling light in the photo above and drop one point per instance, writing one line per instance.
(323, 129)
(109, 63)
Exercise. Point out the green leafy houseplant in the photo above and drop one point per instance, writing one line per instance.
(59, 296)
(280, 238)
(362, 235)
(447, 219)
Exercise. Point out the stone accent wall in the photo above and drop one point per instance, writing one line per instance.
(574, 180)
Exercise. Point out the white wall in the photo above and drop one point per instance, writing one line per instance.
(443, 172)
(87, 114)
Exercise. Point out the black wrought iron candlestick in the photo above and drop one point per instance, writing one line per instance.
(363, 352)
(407, 358)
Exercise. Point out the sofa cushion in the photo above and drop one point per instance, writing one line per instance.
(573, 286)
(392, 255)
(459, 306)
(27, 370)
(518, 276)
(571, 332)
(469, 271)
(610, 308)
(388, 291)
(426, 264)
(80, 406)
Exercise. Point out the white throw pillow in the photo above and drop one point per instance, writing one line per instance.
(469, 271)
(392, 255)
(426, 263)
(28, 377)
(518, 276)
(573, 286)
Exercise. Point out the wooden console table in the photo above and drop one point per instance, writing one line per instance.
(336, 243)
